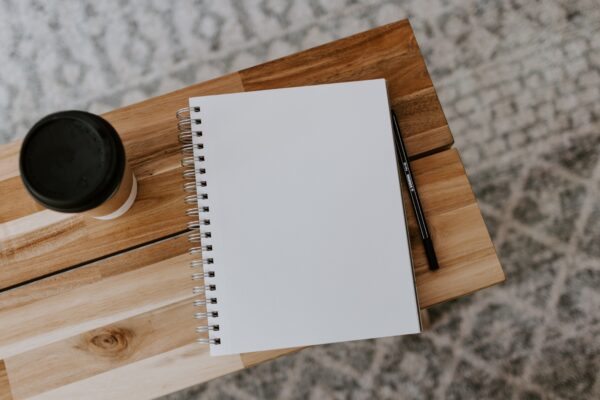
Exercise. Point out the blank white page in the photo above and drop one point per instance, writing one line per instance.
(307, 226)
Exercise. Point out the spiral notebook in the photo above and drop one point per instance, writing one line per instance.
(297, 218)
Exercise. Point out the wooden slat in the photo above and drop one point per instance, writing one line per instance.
(151, 377)
(422, 121)
(389, 52)
(112, 298)
(65, 282)
(102, 349)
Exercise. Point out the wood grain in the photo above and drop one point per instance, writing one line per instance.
(422, 122)
(63, 283)
(109, 299)
(57, 241)
(252, 359)
(21, 203)
(465, 251)
(5, 390)
(102, 349)
(389, 52)
(151, 377)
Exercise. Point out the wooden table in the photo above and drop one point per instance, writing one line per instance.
(101, 309)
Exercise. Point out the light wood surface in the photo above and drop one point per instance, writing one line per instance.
(101, 309)
(5, 391)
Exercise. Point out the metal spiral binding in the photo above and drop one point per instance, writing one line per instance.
(188, 128)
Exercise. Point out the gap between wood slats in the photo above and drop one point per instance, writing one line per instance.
(87, 262)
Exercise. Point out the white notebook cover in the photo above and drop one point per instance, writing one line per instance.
(307, 226)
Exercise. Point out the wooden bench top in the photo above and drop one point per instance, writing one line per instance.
(101, 309)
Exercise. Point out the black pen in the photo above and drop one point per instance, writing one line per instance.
(414, 196)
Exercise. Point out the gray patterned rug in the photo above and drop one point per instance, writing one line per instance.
(520, 84)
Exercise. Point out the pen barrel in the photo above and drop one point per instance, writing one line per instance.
(430, 253)
(414, 195)
(419, 215)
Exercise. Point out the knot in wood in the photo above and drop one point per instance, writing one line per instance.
(110, 342)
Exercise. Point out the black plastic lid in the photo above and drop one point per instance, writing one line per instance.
(72, 161)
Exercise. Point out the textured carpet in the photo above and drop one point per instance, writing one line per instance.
(520, 84)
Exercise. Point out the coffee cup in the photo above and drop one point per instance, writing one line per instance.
(74, 162)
